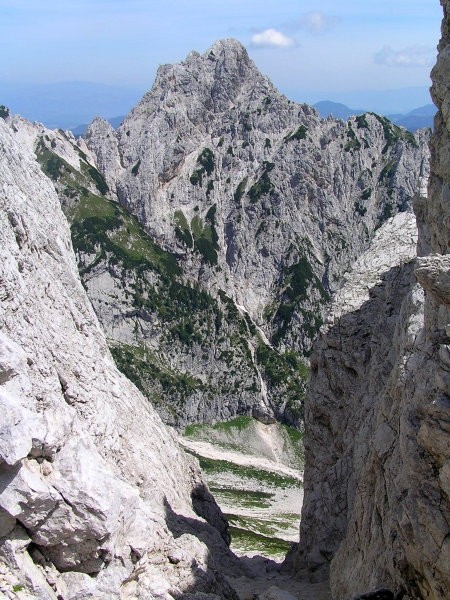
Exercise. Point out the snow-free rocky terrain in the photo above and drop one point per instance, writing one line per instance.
(212, 227)
(255, 472)
(97, 500)
(376, 508)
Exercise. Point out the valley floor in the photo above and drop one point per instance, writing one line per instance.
(255, 472)
(273, 585)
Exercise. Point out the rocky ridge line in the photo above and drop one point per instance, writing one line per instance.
(255, 208)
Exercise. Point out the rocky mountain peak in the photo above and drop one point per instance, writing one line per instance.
(213, 82)
(228, 53)
(258, 201)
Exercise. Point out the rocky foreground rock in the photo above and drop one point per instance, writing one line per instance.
(96, 498)
(376, 512)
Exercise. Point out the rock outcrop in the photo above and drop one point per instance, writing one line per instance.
(96, 498)
(377, 489)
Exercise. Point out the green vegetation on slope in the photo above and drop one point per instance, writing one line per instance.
(393, 133)
(246, 540)
(212, 466)
(143, 367)
(102, 227)
(200, 235)
(4, 111)
(205, 160)
(183, 318)
(300, 283)
(263, 186)
(298, 134)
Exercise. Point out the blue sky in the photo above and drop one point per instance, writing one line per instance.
(306, 47)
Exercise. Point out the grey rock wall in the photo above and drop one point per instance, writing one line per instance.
(249, 211)
(95, 494)
(257, 198)
(377, 511)
(213, 134)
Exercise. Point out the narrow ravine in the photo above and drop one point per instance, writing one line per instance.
(255, 472)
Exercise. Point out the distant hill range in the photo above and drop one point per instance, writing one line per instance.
(418, 118)
(67, 104)
(73, 105)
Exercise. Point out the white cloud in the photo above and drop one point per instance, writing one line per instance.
(318, 22)
(272, 38)
(413, 56)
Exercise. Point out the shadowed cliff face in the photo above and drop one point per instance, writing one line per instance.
(377, 482)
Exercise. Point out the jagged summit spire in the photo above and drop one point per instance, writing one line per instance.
(228, 53)
(222, 47)
(228, 45)
(214, 79)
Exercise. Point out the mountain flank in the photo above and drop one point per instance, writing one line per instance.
(212, 227)
(263, 206)
(202, 243)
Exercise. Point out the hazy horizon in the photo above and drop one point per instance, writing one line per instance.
(368, 56)
(301, 46)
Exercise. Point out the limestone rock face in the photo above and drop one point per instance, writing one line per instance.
(214, 145)
(377, 497)
(91, 481)
(249, 210)
(262, 205)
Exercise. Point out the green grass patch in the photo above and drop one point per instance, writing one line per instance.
(387, 172)
(205, 236)
(263, 186)
(393, 133)
(259, 525)
(135, 169)
(182, 229)
(99, 222)
(298, 134)
(242, 498)
(139, 364)
(240, 190)
(200, 431)
(366, 194)
(353, 142)
(361, 122)
(18, 587)
(96, 177)
(205, 160)
(240, 423)
(250, 541)
(212, 466)
(300, 279)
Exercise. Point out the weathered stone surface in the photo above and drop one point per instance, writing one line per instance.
(275, 593)
(308, 175)
(376, 509)
(251, 210)
(89, 474)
